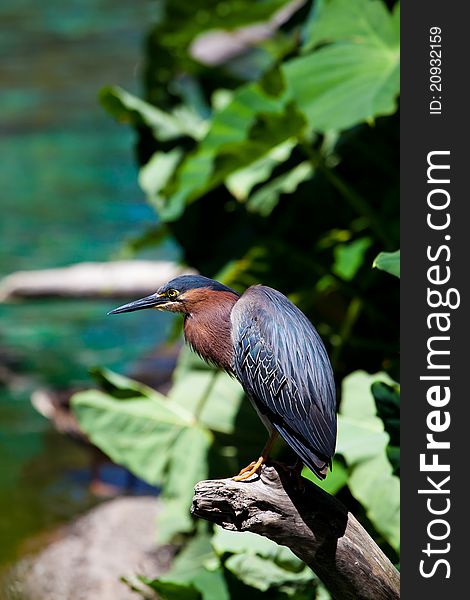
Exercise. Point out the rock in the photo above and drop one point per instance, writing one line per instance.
(113, 540)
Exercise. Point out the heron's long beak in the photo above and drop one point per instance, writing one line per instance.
(153, 301)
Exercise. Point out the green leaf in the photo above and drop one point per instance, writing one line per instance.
(135, 432)
(341, 85)
(187, 465)
(352, 20)
(389, 262)
(168, 590)
(393, 455)
(237, 542)
(154, 175)
(156, 438)
(197, 566)
(242, 181)
(212, 584)
(336, 480)
(192, 558)
(356, 77)
(265, 199)
(372, 483)
(264, 574)
(211, 394)
(127, 108)
(242, 132)
(245, 545)
(322, 593)
(352, 80)
(120, 386)
(363, 442)
(350, 257)
(387, 400)
(261, 563)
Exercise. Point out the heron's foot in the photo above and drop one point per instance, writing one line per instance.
(250, 470)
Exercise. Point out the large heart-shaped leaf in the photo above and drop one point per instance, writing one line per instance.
(355, 77)
(352, 20)
(136, 432)
(157, 439)
(211, 395)
(363, 443)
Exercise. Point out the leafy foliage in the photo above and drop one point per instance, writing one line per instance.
(196, 573)
(363, 441)
(274, 161)
(389, 261)
(387, 400)
(261, 563)
(152, 437)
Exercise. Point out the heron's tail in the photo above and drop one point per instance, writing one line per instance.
(316, 463)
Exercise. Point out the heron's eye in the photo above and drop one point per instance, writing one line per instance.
(172, 294)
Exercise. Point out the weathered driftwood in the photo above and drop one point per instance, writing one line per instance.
(117, 279)
(314, 525)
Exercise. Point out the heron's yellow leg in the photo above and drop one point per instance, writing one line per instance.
(255, 465)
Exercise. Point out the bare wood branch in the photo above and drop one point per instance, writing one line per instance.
(115, 279)
(314, 525)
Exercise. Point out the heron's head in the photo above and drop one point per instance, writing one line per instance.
(182, 294)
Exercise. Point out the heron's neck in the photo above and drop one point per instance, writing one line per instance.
(208, 329)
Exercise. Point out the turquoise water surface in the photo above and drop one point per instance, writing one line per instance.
(68, 194)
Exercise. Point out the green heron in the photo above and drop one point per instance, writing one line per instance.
(273, 350)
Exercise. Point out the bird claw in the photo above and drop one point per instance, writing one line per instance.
(250, 470)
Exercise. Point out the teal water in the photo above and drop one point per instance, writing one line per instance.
(68, 193)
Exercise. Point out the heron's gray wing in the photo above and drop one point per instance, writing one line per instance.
(282, 363)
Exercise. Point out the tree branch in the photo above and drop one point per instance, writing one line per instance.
(114, 279)
(319, 529)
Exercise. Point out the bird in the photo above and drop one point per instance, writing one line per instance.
(268, 344)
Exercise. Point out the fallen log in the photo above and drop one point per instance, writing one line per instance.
(314, 525)
(116, 279)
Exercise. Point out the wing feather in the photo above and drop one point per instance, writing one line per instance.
(282, 363)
